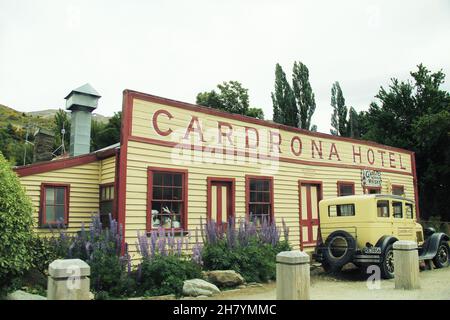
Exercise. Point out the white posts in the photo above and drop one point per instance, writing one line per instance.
(293, 277)
(406, 265)
(68, 280)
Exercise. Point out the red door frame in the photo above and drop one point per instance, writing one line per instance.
(309, 222)
(229, 182)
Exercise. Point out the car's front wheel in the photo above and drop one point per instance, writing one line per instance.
(387, 263)
(441, 258)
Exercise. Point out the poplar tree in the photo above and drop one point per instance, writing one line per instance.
(353, 124)
(304, 95)
(339, 116)
(284, 106)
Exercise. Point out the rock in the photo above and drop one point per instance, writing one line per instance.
(224, 278)
(22, 295)
(242, 286)
(199, 287)
(91, 296)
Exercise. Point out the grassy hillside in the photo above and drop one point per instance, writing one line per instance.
(21, 119)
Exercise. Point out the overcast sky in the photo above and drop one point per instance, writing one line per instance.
(176, 49)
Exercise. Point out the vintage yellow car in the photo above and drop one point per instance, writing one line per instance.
(361, 229)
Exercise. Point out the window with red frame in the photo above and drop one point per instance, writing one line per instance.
(167, 199)
(260, 200)
(106, 204)
(346, 189)
(398, 190)
(55, 206)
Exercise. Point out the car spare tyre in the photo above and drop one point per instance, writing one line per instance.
(339, 249)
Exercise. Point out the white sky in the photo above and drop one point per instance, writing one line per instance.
(176, 49)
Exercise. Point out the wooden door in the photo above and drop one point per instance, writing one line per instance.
(220, 200)
(310, 195)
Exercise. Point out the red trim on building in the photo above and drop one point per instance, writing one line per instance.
(185, 173)
(125, 132)
(312, 222)
(247, 194)
(416, 189)
(345, 183)
(42, 214)
(232, 182)
(45, 166)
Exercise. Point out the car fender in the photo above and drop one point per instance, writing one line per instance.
(431, 245)
(385, 241)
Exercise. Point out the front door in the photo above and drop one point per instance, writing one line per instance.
(220, 200)
(310, 195)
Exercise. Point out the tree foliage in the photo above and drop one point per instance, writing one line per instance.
(414, 115)
(15, 225)
(232, 97)
(304, 95)
(283, 100)
(103, 135)
(293, 106)
(339, 121)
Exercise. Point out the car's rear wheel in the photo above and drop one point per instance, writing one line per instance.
(442, 255)
(387, 263)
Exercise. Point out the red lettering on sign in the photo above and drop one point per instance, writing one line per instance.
(272, 143)
(356, 154)
(191, 128)
(225, 134)
(381, 152)
(401, 164)
(247, 141)
(392, 160)
(334, 152)
(296, 151)
(155, 122)
(371, 161)
(315, 147)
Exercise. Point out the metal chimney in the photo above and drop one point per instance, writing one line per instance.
(81, 102)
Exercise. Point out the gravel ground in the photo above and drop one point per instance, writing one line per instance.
(351, 284)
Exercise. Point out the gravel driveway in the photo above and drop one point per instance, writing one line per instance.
(351, 285)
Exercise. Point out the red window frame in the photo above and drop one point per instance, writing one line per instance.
(42, 207)
(398, 186)
(367, 189)
(248, 179)
(345, 183)
(184, 193)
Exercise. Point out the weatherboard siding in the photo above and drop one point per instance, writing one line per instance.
(107, 170)
(84, 192)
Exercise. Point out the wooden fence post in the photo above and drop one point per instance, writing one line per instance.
(68, 280)
(293, 275)
(406, 265)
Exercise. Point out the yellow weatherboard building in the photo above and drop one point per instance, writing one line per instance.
(178, 163)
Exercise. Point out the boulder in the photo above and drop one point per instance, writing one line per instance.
(22, 295)
(224, 278)
(199, 287)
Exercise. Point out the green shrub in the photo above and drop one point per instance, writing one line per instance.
(249, 250)
(101, 249)
(163, 275)
(15, 226)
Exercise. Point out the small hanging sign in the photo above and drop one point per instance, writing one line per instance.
(371, 178)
